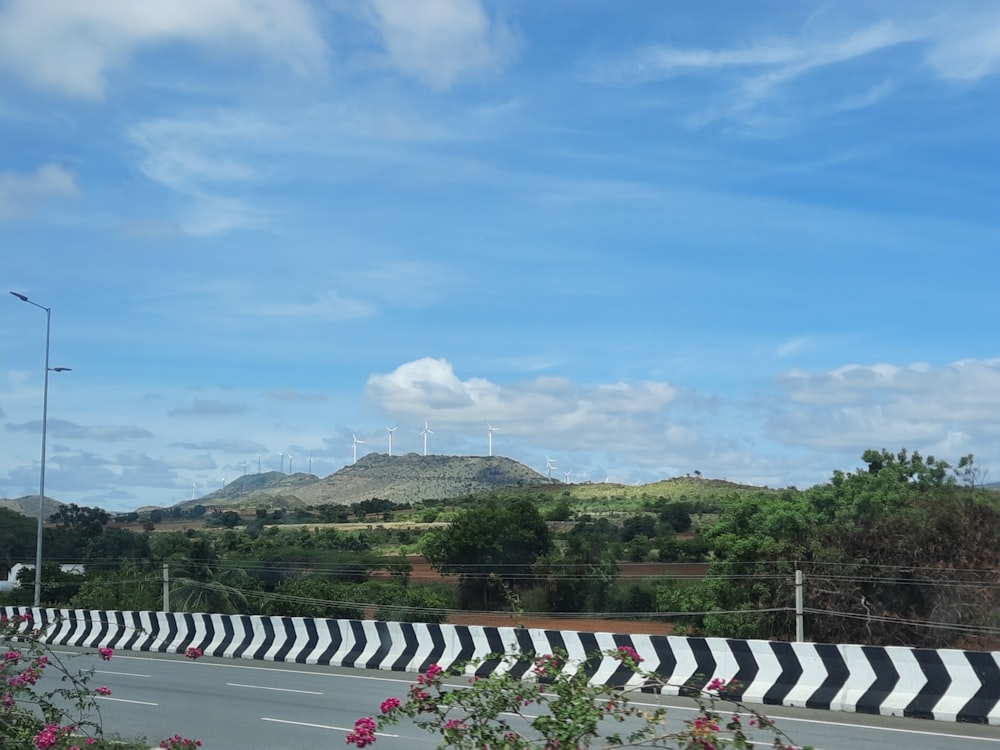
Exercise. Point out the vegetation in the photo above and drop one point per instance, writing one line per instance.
(555, 706)
(898, 553)
(902, 551)
(63, 714)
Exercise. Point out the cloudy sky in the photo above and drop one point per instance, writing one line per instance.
(640, 239)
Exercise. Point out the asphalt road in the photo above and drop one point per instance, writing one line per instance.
(241, 705)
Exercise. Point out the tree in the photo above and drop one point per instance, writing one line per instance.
(579, 574)
(17, 539)
(109, 550)
(132, 586)
(895, 554)
(85, 521)
(492, 548)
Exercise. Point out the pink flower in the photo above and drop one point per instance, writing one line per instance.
(454, 724)
(389, 704)
(11, 656)
(49, 736)
(194, 653)
(103, 690)
(106, 653)
(547, 665)
(716, 684)
(627, 652)
(179, 743)
(363, 734)
(433, 671)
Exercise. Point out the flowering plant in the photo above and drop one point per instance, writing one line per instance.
(67, 717)
(556, 707)
(179, 743)
(194, 653)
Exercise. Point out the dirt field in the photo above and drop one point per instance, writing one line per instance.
(422, 572)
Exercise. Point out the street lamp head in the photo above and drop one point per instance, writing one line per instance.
(61, 369)
(21, 297)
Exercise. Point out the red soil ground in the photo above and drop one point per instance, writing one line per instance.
(629, 572)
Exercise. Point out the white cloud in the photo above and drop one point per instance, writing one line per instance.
(67, 430)
(70, 46)
(438, 41)
(883, 405)
(967, 50)
(962, 46)
(197, 157)
(21, 193)
(544, 408)
(782, 61)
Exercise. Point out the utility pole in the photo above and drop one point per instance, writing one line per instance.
(166, 587)
(800, 629)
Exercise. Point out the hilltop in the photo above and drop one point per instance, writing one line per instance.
(28, 505)
(402, 479)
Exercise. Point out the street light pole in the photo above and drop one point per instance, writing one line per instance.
(45, 419)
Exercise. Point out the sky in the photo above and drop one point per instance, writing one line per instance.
(638, 239)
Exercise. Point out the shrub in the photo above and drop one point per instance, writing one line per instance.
(560, 708)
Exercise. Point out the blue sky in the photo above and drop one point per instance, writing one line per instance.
(640, 239)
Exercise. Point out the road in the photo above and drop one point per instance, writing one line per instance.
(241, 705)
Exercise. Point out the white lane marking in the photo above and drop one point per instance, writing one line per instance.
(160, 659)
(121, 674)
(888, 729)
(280, 690)
(775, 718)
(322, 726)
(123, 700)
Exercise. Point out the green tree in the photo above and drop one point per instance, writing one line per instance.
(491, 548)
(132, 586)
(17, 539)
(579, 574)
(200, 580)
(894, 554)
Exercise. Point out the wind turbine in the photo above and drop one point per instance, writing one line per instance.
(491, 429)
(549, 465)
(193, 485)
(310, 463)
(568, 475)
(356, 441)
(244, 465)
(390, 430)
(426, 431)
(258, 463)
(282, 457)
(289, 463)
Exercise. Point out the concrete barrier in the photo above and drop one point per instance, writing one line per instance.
(947, 685)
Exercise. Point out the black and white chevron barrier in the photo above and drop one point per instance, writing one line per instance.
(950, 685)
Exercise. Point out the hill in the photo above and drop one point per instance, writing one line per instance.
(401, 479)
(28, 505)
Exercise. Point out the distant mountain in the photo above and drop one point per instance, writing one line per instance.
(270, 484)
(28, 505)
(401, 479)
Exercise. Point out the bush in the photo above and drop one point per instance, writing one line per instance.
(560, 708)
(63, 717)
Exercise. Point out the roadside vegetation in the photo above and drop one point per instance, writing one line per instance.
(902, 551)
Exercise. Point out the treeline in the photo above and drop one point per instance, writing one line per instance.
(903, 552)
